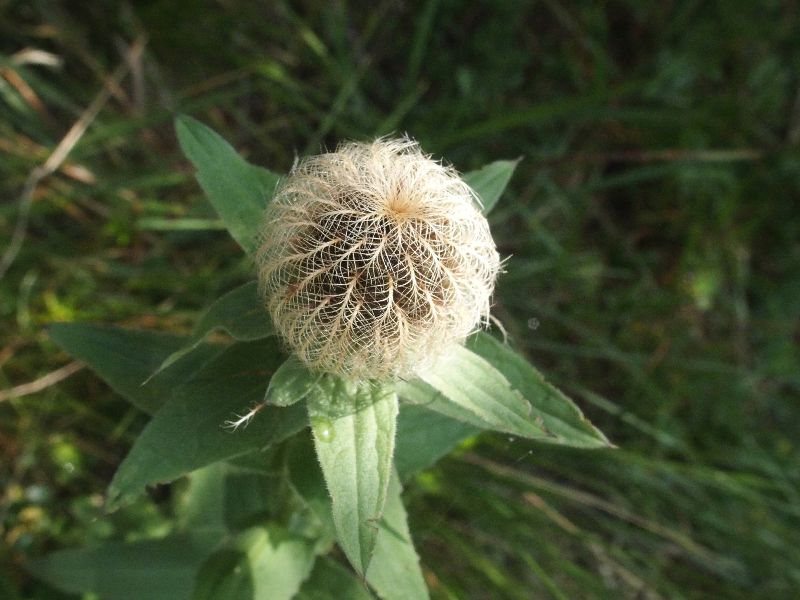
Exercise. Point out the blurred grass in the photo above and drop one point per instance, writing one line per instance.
(654, 273)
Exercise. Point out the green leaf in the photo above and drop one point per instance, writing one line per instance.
(240, 313)
(560, 416)
(490, 181)
(425, 436)
(160, 569)
(187, 433)
(259, 564)
(354, 429)
(291, 383)
(330, 581)
(251, 497)
(306, 479)
(394, 571)
(418, 392)
(474, 385)
(202, 506)
(238, 190)
(125, 358)
(224, 497)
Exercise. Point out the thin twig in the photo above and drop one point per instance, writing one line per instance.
(43, 382)
(61, 152)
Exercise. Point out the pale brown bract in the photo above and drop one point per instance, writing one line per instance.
(374, 260)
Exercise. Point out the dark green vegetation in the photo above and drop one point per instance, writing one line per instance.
(654, 273)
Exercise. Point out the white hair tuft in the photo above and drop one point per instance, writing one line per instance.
(375, 259)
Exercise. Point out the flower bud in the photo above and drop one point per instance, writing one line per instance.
(374, 260)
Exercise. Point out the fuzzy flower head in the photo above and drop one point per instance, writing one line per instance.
(374, 260)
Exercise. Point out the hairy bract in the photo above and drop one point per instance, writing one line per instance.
(375, 259)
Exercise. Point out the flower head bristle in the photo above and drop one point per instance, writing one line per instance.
(374, 259)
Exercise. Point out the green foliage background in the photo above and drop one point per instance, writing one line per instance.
(654, 268)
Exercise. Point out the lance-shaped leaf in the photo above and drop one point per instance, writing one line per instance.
(417, 392)
(240, 313)
(238, 190)
(305, 478)
(160, 569)
(354, 427)
(331, 581)
(490, 181)
(125, 358)
(424, 436)
(259, 564)
(394, 571)
(291, 383)
(560, 416)
(188, 433)
(224, 497)
(472, 384)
